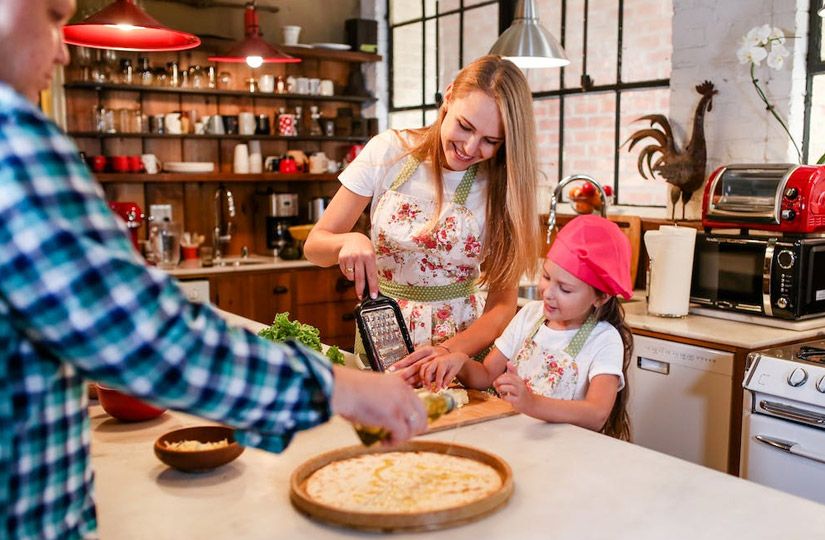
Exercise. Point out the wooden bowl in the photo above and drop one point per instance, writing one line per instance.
(398, 521)
(124, 407)
(198, 460)
(300, 232)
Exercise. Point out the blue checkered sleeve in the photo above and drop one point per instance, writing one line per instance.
(76, 302)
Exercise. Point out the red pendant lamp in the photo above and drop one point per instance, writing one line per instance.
(123, 26)
(252, 49)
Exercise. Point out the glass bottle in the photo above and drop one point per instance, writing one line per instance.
(436, 405)
(172, 74)
(126, 76)
(299, 121)
(145, 71)
(315, 129)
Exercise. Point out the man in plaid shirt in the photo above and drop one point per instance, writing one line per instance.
(77, 303)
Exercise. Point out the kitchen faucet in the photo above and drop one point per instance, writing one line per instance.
(557, 194)
(224, 216)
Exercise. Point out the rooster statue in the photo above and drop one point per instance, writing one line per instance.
(683, 170)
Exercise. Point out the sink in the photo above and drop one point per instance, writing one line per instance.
(530, 292)
(239, 261)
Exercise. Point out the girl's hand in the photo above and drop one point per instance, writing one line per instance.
(408, 367)
(438, 372)
(512, 389)
(357, 262)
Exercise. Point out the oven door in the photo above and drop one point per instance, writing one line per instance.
(748, 194)
(729, 273)
(812, 280)
(786, 470)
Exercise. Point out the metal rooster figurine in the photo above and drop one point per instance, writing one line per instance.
(683, 170)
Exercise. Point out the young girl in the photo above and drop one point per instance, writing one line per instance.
(452, 207)
(563, 358)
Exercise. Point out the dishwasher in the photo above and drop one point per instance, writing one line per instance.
(680, 400)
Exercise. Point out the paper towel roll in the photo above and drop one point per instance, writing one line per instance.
(671, 266)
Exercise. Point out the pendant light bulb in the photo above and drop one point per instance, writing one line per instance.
(254, 61)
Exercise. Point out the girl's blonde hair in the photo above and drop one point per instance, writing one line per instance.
(618, 423)
(512, 220)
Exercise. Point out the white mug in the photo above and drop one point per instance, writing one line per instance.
(241, 160)
(318, 163)
(302, 85)
(151, 163)
(172, 123)
(266, 83)
(326, 88)
(246, 123)
(315, 86)
(291, 34)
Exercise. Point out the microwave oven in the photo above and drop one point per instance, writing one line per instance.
(782, 277)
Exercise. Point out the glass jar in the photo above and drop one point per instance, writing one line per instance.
(225, 80)
(145, 75)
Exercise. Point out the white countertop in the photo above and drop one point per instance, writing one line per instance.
(195, 268)
(569, 484)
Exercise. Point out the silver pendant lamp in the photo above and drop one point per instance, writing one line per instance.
(527, 44)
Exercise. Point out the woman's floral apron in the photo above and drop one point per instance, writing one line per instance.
(552, 372)
(430, 271)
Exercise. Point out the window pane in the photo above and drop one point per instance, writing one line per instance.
(447, 5)
(547, 141)
(602, 40)
(448, 60)
(407, 77)
(405, 119)
(404, 10)
(430, 80)
(430, 7)
(549, 13)
(633, 188)
(430, 116)
(468, 3)
(589, 135)
(646, 42)
(480, 30)
(573, 43)
(816, 146)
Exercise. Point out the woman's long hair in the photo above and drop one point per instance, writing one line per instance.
(618, 423)
(512, 236)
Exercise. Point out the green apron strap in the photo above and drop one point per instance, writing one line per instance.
(463, 189)
(575, 346)
(407, 170)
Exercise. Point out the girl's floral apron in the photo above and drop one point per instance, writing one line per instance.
(431, 272)
(552, 372)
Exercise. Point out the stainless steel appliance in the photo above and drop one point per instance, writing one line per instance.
(680, 399)
(783, 422)
(279, 212)
(782, 198)
(782, 277)
(316, 208)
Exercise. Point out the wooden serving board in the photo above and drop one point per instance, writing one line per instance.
(482, 407)
(401, 521)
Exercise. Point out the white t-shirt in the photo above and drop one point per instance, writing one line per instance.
(603, 352)
(374, 170)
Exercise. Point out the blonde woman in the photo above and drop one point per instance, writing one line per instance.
(452, 209)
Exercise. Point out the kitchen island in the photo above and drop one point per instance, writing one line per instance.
(570, 483)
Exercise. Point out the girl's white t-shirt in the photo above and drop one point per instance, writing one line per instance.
(374, 170)
(602, 353)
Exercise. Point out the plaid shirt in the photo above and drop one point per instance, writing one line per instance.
(77, 303)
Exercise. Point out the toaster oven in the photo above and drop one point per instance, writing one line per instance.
(783, 198)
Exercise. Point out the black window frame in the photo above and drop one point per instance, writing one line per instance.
(506, 13)
(814, 65)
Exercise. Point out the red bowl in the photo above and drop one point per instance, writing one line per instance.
(124, 407)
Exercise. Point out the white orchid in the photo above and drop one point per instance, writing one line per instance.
(767, 43)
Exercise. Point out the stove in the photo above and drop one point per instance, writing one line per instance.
(783, 422)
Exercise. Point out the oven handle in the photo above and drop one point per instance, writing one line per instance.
(792, 413)
(791, 447)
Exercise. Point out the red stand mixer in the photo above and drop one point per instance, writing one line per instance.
(133, 216)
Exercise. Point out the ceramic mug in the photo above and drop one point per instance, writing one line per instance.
(266, 83)
(315, 86)
(151, 163)
(291, 33)
(120, 164)
(246, 123)
(327, 88)
(97, 163)
(172, 123)
(318, 163)
(302, 85)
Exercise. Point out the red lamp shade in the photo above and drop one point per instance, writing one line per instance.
(124, 26)
(253, 49)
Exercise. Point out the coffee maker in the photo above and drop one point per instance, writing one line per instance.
(277, 212)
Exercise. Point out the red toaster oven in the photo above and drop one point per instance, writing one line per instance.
(783, 198)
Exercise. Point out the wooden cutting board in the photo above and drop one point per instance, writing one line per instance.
(482, 407)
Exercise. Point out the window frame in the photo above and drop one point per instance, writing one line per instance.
(814, 65)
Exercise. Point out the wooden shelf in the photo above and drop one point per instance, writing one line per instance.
(143, 178)
(116, 87)
(330, 54)
(311, 138)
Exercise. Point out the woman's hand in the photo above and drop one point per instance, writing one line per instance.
(512, 389)
(373, 399)
(408, 367)
(357, 262)
(438, 372)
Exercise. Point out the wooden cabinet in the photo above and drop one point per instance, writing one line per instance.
(320, 297)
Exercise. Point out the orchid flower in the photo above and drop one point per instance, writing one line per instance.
(765, 43)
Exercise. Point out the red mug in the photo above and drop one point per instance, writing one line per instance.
(135, 164)
(120, 164)
(288, 165)
(97, 163)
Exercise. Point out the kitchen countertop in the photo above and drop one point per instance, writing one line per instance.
(192, 268)
(569, 483)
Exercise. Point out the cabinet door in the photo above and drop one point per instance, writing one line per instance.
(254, 295)
(334, 320)
(317, 286)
